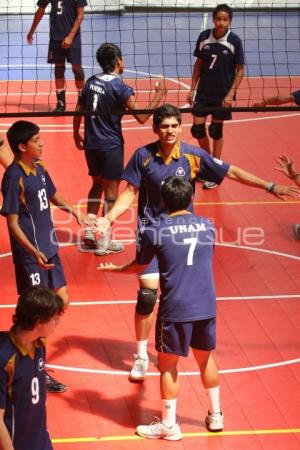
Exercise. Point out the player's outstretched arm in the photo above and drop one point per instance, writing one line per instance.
(36, 20)
(131, 267)
(160, 93)
(82, 219)
(287, 166)
(277, 100)
(280, 191)
(122, 204)
(6, 156)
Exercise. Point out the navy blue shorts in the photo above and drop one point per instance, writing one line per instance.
(177, 337)
(225, 114)
(106, 164)
(58, 55)
(29, 275)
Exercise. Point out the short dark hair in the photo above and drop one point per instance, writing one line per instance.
(19, 133)
(37, 304)
(225, 8)
(176, 193)
(107, 56)
(166, 111)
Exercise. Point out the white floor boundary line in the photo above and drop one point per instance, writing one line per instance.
(196, 373)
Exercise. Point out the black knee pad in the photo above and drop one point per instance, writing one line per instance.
(215, 131)
(146, 301)
(59, 72)
(78, 73)
(198, 131)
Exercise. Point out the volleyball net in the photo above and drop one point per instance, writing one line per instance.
(157, 39)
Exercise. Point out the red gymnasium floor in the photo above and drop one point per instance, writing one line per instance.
(257, 271)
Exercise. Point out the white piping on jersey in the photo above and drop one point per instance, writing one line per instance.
(13, 423)
(223, 41)
(145, 208)
(106, 76)
(34, 233)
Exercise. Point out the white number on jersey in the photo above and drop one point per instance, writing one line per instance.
(43, 199)
(35, 279)
(35, 390)
(214, 59)
(60, 5)
(95, 102)
(193, 243)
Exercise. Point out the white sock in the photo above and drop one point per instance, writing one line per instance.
(169, 412)
(142, 348)
(214, 399)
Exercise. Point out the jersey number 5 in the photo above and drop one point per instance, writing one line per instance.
(60, 7)
(193, 243)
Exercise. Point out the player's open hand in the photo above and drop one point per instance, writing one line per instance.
(190, 96)
(78, 141)
(84, 219)
(43, 261)
(160, 88)
(281, 191)
(109, 267)
(67, 42)
(29, 38)
(286, 165)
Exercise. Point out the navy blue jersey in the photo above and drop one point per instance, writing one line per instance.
(62, 18)
(147, 169)
(296, 96)
(23, 393)
(27, 193)
(183, 245)
(104, 94)
(219, 60)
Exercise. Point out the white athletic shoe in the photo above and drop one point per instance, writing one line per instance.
(209, 185)
(158, 430)
(214, 421)
(106, 246)
(89, 239)
(139, 368)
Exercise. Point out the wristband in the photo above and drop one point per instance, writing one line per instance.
(1, 142)
(270, 187)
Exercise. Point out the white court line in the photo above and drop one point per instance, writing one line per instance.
(156, 374)
(132, 302)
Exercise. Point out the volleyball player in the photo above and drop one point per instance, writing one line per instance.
(145, 173)
(65, 42)
(27, 191)
(22, 371)
(183, 244)
(286, 164)
(217, 74)
(107, 95)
